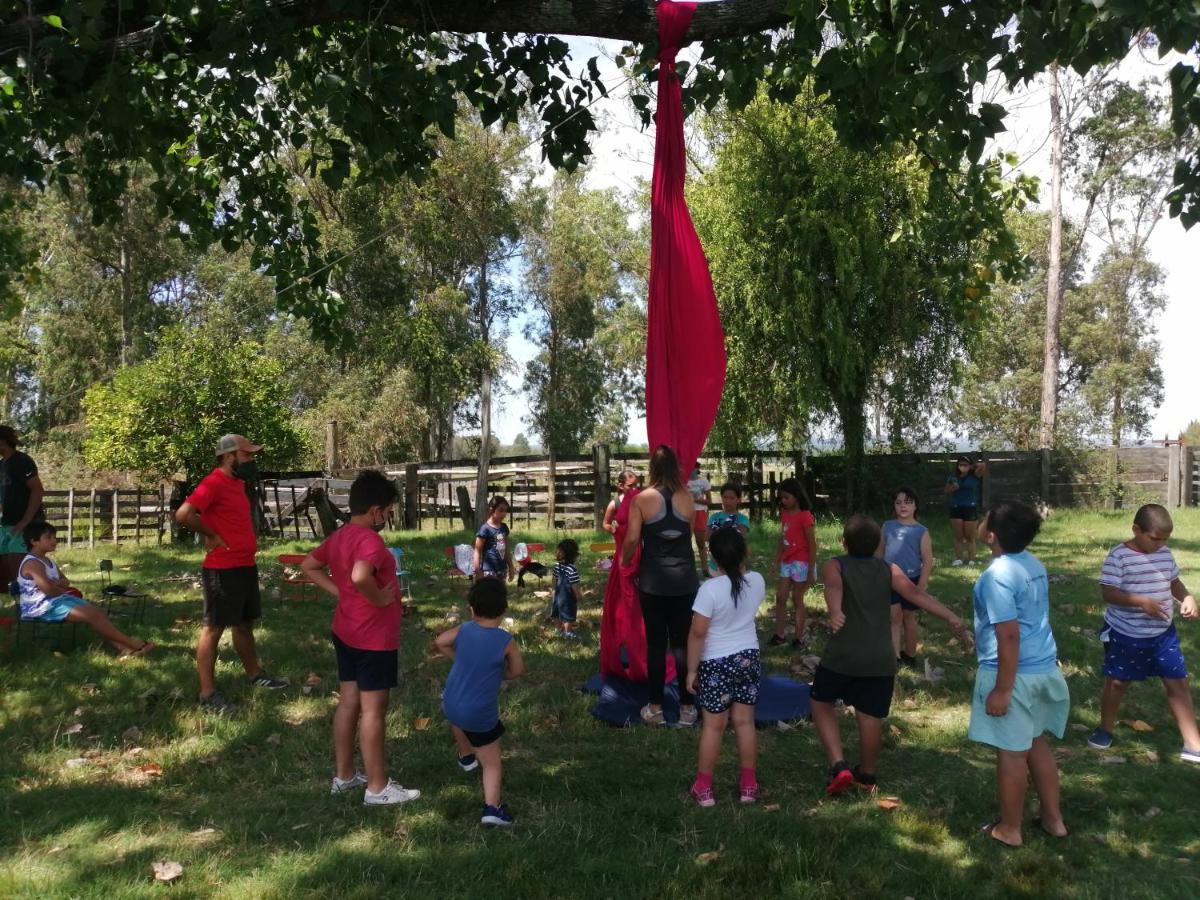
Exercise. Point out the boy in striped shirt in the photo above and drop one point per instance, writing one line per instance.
(1140, 584)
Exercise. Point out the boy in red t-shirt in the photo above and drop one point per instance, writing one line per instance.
(796, 557)
(356, 566)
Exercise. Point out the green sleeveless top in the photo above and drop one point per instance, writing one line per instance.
(863, 646)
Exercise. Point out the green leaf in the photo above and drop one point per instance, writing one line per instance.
(53, 21)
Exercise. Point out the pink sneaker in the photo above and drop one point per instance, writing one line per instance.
(749, 793)
(704, 798)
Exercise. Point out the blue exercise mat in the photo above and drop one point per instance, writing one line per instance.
(621, 700)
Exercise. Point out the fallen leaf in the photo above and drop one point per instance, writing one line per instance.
(203, 832)
(73, 729)
(131, 734)
(1139, 725)
(910, 703)
(703, 859)
(76, 762)
(1112, 760)
(1152, 812)
(78, 711)
(55, 850)
(1150, 756)
(90, 689)
(166, 870)
(298, 827)
(134, 751)
(1077, 727)
(896, 732)
(313, 679)
(1075, 629)
(888, 803)
(421, 723)
(544, 594)
(274, 739)
(150, 770)
(58, 654)
(771, 807)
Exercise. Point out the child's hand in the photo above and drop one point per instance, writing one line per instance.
(691, 683)
(998, 701)
(1188, 608)
(212, 543)
(1153, 608)
(512, 574)
(837, 620)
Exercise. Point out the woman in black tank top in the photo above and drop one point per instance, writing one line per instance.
(661, 522)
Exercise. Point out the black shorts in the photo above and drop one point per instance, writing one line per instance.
(371, 670)
(904, 604)
(868, 694)
(966, 513)
(483, 738)
(231, 596)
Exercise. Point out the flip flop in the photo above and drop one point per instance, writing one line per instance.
(1037, 821)
(146, 647)
(987, 831)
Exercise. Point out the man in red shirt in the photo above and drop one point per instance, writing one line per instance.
(219, 510)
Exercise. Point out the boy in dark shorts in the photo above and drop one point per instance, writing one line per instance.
(859, 664)
(219, 511)
(354, 565)
(484, 655)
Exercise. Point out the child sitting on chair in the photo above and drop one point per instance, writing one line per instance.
(47, 596)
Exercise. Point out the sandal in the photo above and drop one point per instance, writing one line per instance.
(652, 716)
(146, 647)
(1038, 823)
(988, 831)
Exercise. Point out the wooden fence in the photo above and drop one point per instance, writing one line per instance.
(97, 514)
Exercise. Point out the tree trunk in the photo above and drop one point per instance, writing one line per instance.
(854, 429)
(1118, 412)
(126, 306)
(552, 490)
(1053, 349)
(485, 405)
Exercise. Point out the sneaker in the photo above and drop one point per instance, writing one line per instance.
(749, 793)
(956, 564)
(800, 643)
(496, 815)
(265, 680)
(1187, 755)
(569, 635)
(840, 779)
(777, 640)
(868, 783)
(468, 763)
(1100, 739)
(391, 795)
(652, 716)
(704, 798)
(216, 703)
(687, 716)
(907, 662)
(355, 781)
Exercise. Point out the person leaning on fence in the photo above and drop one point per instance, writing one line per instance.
(219, 510)
(21, 495)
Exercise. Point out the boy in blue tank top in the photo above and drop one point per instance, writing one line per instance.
(484, 656)
(906, 543)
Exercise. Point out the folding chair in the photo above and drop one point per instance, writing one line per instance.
(402, 573)
(32, 625)
(113, 592)
(299, 582)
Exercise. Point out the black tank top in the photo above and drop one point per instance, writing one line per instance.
(668, 565)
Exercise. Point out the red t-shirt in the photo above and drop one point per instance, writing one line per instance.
(225, 508)
(356, 620)
(795, 541)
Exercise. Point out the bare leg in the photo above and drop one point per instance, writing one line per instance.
(870, 739)
(1179, 698)
(897, 621)
(1044, 769)
(1110, 702)
(956, 525)
(489, 758)
(371, 730)
(243, 643)
(702, 549)
(782, 589)
(825, 718)
(711, 729)
(94, 618)
(1012, 777)
(345, 723)
(970, 529)
(912, 631)
(747, 737)
(798, 592)
(206, 657)
(461, 744)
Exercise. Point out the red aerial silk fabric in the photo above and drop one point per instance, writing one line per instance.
(685, 344)
(621, 624)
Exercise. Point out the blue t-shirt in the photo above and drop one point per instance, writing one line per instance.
(1015, 587)
(902, 546)
(495, 547)
(721, 519)
(968, 490)
(471, 697)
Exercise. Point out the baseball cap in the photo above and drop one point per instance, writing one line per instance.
(232, 442)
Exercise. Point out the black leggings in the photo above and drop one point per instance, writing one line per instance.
(668, 621)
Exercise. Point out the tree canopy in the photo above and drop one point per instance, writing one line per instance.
(215, 95)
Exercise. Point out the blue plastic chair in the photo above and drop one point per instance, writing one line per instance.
(402, 573)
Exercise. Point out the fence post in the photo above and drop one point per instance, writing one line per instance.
(1173, 479)
(1045, 474)
(160, 519)
(70, 517)
(333, 459)
(1189, 476)
(985, 486)
(137, 522)
(92, 520)
(600, 487)
(412, 496)
(116, 514)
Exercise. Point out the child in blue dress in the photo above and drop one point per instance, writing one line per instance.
(484, 656)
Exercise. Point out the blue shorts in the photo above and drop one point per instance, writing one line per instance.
(796, 571)
(1040, 703)
(727, 680)
(1136, 659)
(57, 609)
(904, 604)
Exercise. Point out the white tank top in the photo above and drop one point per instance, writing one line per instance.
(34, 603)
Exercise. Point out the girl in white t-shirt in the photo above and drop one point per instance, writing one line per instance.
(724, 668)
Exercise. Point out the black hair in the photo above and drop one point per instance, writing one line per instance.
(36, 530)
(728, 549)
(861, 534)
(495, 502)
(908, 492)
(730, 486)
(371, 488)
(570, 550)
(488, 598)
(9, 436)
(792, 486)
(1154, 517)
(1015, 524)
(664, 469)
(964, 459)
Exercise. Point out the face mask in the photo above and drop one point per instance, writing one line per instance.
(378, 526)
(247, 471)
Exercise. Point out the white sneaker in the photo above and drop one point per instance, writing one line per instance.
(956, 564)
(391, 795)
(355, 781)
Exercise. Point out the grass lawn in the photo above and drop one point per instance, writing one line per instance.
(243, 803)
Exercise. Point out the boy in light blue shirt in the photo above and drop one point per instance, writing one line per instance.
(1019, 692)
